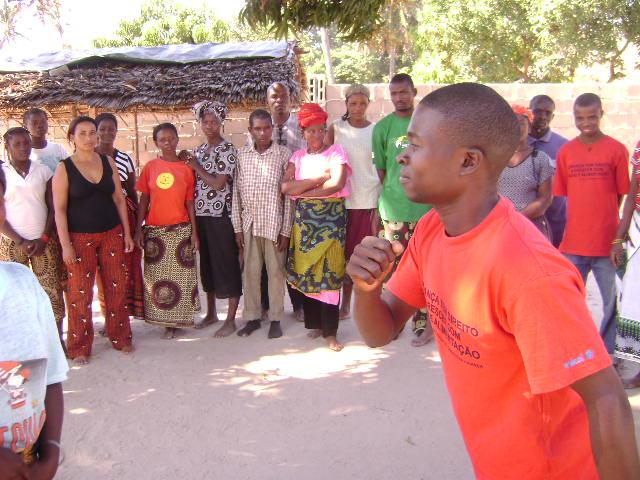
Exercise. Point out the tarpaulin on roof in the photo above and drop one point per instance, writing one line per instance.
(170, 54)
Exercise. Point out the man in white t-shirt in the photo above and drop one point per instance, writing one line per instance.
(42, 151)
(32, 368)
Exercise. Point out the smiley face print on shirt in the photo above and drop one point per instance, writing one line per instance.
(165, 180)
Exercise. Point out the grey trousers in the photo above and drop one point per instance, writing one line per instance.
(260, 251)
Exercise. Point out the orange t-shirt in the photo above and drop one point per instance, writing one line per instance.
(513, 331)
(591, 177)
(168, 185)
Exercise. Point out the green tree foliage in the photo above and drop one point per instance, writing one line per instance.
(352, 61)
(515, 40)
(353, 19)
(12, 11)
(164, 23)
(368, 40)
(600, 30)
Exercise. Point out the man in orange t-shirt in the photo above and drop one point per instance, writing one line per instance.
(593, 173)
(530, 381)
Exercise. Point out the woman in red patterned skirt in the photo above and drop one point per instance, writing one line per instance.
(92, 223)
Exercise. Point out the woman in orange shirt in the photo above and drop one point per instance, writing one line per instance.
(169, 237)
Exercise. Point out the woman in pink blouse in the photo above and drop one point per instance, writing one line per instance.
(317, 178)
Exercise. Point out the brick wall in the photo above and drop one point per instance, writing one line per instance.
(621, 104)
(234, 130)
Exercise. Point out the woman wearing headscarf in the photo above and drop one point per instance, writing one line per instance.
(214, 163)
(107, 132)
(354, 133)
(526, 180)
(169, 238)
(317, 178)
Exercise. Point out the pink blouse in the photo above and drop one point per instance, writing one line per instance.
(314, 165)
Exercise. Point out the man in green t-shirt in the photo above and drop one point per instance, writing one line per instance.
(398, 214)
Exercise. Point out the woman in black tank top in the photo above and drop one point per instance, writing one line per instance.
(91, 218)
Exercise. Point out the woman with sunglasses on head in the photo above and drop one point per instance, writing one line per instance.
(92, 223)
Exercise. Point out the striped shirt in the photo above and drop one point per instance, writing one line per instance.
(258, 206)
(124, 164)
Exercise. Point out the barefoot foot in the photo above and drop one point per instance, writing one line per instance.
(299, 315)
(226, 329)
(344, 314)
(169, 333)
(210, 319)
(333, 344)
(314, 334)
(81, 360)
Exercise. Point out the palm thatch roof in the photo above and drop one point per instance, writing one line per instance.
(121, 83)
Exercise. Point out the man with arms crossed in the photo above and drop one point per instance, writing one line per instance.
(542, 138)
(531, 383)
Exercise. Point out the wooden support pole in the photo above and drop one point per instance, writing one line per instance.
(136, 141)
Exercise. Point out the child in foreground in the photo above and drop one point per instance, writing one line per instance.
(530, 380)
(32, 369)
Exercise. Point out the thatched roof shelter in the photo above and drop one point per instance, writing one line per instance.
(166, 78)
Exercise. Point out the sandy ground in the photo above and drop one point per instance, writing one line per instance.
(252, 408)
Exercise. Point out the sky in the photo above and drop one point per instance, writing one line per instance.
(84, 20)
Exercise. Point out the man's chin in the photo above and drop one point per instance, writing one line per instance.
(415, 197)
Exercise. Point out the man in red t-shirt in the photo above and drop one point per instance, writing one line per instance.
(530, 381)
(593, 173)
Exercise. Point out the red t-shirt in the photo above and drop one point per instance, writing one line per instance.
(513, 331)
(591, 177)
(168, 185)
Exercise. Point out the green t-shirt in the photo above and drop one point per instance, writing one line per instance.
(393, 204)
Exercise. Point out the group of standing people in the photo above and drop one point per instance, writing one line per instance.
(288, 208)
(572, 191)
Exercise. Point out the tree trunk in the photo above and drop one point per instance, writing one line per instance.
(392, 60)
(612, 70)
(326, 51)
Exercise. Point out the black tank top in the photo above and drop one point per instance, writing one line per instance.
(91, 208)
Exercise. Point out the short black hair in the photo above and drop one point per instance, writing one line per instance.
(107, 116)
(540, 98)
(279, 84)
(77, 121)
(261, 115)
(163, 126)
(13, 132)
(402, 78)
(477, 116)
(588, 100)
(33, 111)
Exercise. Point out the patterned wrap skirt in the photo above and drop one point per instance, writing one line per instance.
(628, 321)
(316, 260)
(48, 269)
(170, 279)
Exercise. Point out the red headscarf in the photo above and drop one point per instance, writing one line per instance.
(524, 111)
(311, 114)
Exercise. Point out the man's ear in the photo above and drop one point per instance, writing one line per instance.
(471, 160)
